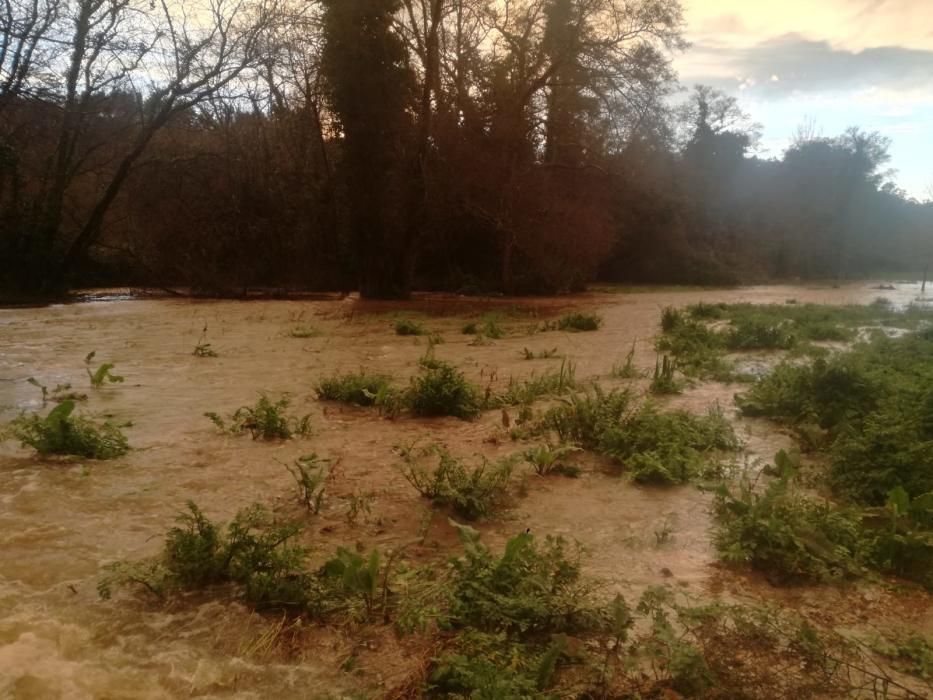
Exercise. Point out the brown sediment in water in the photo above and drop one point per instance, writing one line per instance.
(61, 521)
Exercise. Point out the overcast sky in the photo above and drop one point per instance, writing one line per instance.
(834, 62)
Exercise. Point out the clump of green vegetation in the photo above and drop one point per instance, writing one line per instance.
(669, 447)
(407, 326)
(489, 328)
(473, 492)
(442, 390)
(699, 346)
(361, 388)
(787, 536)
(474, 668)
(532, 588)
(705, 311)
(664, 380)
(265, 420)
(671, 318)
(102, 374)
(901, 540)
(310, 475)
(628, 370)
(61, 432)
(355, 580)
(523, 393)
(255, 553)
(302, 332)
(655, 446)
(873, 405)
(911, 654)
(791, 537)
(582, 418)
(756, 333)
(547, 459)
(579, 322)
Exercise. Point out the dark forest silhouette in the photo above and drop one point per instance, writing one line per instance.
(519, 146)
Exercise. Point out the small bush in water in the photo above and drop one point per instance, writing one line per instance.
(265, 420)
(63, 433)
(473, 492)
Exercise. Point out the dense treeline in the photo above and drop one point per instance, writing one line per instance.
(385, 145)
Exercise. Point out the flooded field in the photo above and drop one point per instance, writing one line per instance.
(62, 521)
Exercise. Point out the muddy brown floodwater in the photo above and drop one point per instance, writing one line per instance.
(62, 521)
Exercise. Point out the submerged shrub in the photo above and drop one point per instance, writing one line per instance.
(755, 333)
(582, 418)
(787, 536)
(668, 447)
(580, 322)
(253, 552)
(547, 459)
(406, 326)
(473, 492)
(361, 388)
(442, 390)
(875, 405)
(63, 433)
(531, 588)
(265, 420)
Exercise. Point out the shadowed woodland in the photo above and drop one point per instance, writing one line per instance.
(516, 146)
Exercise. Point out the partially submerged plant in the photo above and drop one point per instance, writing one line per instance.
(540, 355)
(407, 326)
(361, 388)
(575, 322)
(473, 492)
(442, 390)
(61, 392)
(102, 374)
(202, 348)
(787, 536)
(303, 332)
(61, 432)
(310, 475)
(628, 370)
(664, 381)
(547, 459)
(255, 553)
(523, 393)
(265, 420)
(531, 588)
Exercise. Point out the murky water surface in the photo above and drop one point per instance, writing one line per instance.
(62, 521)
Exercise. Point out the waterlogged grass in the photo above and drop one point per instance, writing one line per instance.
(527, 391)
